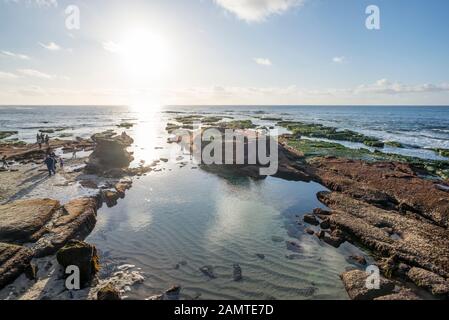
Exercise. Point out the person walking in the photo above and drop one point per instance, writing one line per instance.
(47, 139)
(50, 162)
(74, 153)
(61, 163)
(4, 163)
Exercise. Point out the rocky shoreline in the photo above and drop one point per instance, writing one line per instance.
(396, 207)
(397, 210)
(34, 229)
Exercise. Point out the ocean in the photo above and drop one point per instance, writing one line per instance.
(180, 218)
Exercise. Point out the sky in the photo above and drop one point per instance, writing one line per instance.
(247, 52)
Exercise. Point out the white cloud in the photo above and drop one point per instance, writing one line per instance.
(339, 59)
(111, 46)
(50, 46)
(7, 75)
(384, 86)
(14, 55)
(258, 10)
(35, 74)
(263, 62)
(37, 3)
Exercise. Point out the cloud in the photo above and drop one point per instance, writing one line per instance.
(7, 75)
(37, 3)
(263, 62)
(386, 87)
(14, 55)
(339, 59)
(50, 46)
(111, 46)
(35, 74)
(258, 10)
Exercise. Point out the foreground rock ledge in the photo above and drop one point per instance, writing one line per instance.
(45, 230)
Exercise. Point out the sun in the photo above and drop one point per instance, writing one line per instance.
(146, 55)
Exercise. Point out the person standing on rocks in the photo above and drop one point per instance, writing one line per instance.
(50, 162)
(47, 139)
(4, 163)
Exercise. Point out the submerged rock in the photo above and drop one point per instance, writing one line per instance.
(82, 255)
(311, 219)
(208, 271)
(237, 272)
(356, 286)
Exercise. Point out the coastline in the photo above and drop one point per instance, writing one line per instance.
(405, 263)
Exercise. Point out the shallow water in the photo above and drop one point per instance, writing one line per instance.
(179, 218)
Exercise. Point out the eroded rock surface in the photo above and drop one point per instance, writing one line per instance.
(24, 220)
(14, 260)
(390, 233)
(355, 282)
(385, 184)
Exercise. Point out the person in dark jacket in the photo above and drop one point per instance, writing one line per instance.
(50, 162)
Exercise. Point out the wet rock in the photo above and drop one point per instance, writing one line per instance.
(311, 219)
(110, 198)
(208, 271)
(277, 239)
(335, 238)
(403, 295)
(82, 255)
(307, 292)
(173, 292)
(293, 246)
(356, 285)
(156, 297)
(14, 260)
(260, 256)
(89, 184)
(422, 244)
(122, 186)
(321, 212)
(430, 281)
(358, 259)
(24, 220)
(310, 231)
(31, 271)
(237, 273)
(325, 224)
(108, 293)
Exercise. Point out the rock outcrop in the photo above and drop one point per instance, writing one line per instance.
(355, 282)
(45, 226)
(385, 184)
(82, 255)
(108, 293)
(24, 220)
(14, 260)
(109, 154)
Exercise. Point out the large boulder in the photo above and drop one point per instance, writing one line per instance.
(110, 153)
(75, 220)
(80, 254)
(356, 286)
(13, 261)
(24, 220)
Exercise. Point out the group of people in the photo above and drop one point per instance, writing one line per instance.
(41, 139)
(51, 161)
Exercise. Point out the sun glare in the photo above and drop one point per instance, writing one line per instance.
(146, 55)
